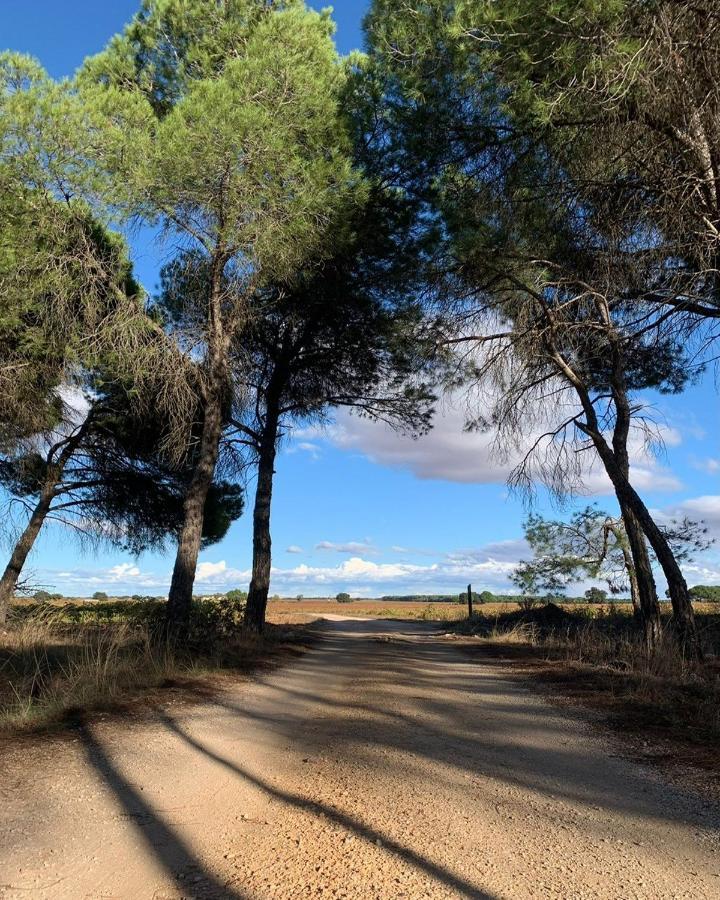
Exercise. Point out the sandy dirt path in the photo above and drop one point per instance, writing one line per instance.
(383, 763)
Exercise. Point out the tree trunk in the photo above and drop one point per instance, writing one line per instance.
(179, 605)
(642, 573)
(23, 547)
(629, 499)
(53, 477)
(262, 542)
(642, 567)
(632, 578)
(616, 462)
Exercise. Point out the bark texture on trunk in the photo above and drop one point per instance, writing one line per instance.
(647, 599)
(183, 578)
(262, 542)
(179, 605)
(642, 574)
(629, 499)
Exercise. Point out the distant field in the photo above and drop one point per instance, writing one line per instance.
(297, 611)
(288, 612)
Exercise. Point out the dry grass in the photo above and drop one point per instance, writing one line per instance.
(52, 669)
(307, 610)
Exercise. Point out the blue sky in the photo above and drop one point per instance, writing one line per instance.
(355, 507)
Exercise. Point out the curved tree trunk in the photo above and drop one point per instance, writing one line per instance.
(616, 463)
(642, 566)
(26, 541)
(179, 605)
(23, 547)
(262, 542)
(683, 614)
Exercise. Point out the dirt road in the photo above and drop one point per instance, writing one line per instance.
(381, 764)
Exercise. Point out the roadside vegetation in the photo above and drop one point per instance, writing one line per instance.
(61, 658)
(517, 202)
(596, 656)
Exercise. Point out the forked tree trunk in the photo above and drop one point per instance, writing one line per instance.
(179, 603)
(262, 542)
(629, 499)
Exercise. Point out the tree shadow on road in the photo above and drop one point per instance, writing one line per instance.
(444, 876)
(180, 862)
(429, 702)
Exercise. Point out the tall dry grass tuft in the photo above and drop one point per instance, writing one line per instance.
(49, 668)
(59, 660)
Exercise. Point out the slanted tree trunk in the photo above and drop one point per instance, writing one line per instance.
(24, 546)
(620, 537)
(179, 605)
(683, 614)
(53, 477)
(617, 467)
(642, 581)
(262, 542)
(642, 567)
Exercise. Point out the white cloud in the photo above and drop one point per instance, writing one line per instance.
(124, 570)
(309, 447)
(207, 571)
(365, 546)
(293, 548)
(705, 509)
(709, 465)
(449, 453)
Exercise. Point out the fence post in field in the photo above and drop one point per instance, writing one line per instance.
(469, 601)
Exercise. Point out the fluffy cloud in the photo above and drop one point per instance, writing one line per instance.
(124, 570)
(487, 567)
(293, 548)
(208, 571)
(449, 453)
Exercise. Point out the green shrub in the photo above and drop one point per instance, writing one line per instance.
(100, 595)
(42, 596)
(213, 619)
(705, 592)
(343, 597)
(596, 595)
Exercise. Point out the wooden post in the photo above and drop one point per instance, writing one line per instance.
(469, 601)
